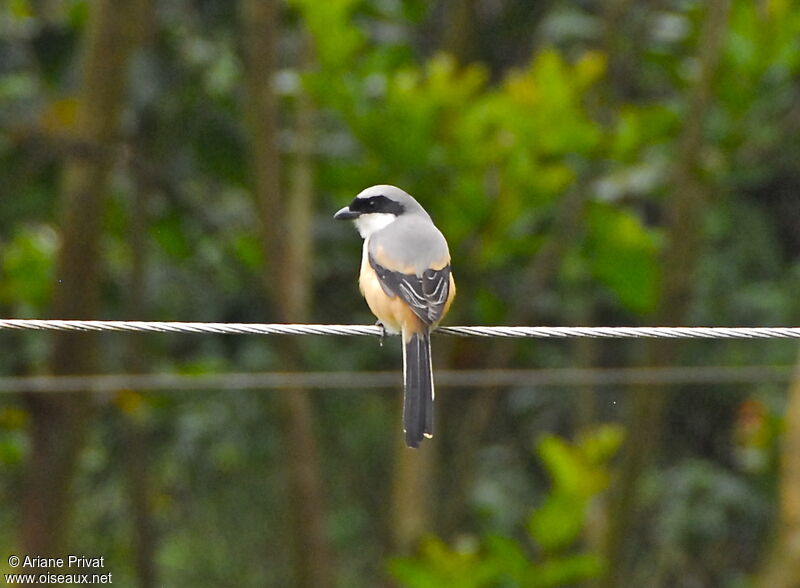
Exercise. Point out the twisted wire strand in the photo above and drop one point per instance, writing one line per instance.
(375, 331)
(628, 332)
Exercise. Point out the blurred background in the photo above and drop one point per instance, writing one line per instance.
(591, 163)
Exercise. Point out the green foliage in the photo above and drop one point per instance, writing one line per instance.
(501, 562)
(12, 425)
(640, 129)
(497, 148)
(336, 42)
(700, 513)
(26, 268)
(170, 235)
(579, 472)
(622, 254)
(491, 162)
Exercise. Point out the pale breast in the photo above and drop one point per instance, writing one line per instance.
(390, 310)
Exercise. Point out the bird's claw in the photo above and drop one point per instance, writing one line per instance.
(383, 332)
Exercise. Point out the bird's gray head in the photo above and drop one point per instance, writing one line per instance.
(377, 207)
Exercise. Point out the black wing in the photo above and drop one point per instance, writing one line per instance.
(426, 295)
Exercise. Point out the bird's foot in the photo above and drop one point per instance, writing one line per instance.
(383, 332)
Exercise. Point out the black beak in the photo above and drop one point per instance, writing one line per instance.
(346, 214)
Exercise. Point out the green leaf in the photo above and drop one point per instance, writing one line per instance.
(440, 565)
(169, 233)
(558, 522)
(562, 462)
(336, 38)
(565, 570)
(248, 250)
(26, 266)
(601, 444)
(623, 256)
(508, 557)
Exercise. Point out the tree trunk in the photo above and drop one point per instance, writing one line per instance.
(459, 29)
(688, 199)
(412, 492)
(133, 432)
(58, 421)
(622, 39)
(286, 232)
(260, 24)
(782, 565)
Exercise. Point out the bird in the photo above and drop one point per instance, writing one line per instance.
(408, 284)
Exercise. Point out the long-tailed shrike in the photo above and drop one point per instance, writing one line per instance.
(407, 283)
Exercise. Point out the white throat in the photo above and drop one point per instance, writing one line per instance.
(367, 224)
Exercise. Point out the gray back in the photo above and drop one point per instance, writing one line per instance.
(412, 241)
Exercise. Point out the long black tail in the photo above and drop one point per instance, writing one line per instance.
(418, 397)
